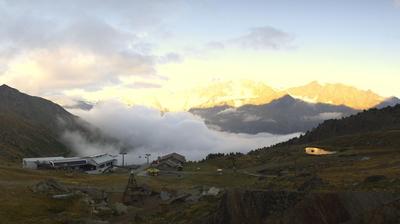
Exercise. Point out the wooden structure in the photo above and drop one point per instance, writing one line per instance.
(133, 193)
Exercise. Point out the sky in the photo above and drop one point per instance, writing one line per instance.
(123, 49)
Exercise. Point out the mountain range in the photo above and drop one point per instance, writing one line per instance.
(299, 109)
(281, 116)
(244, 92)
(253, 107)
(33, 126)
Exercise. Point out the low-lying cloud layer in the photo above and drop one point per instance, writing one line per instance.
(148, 131)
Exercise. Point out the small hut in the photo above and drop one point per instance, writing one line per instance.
(318, 151)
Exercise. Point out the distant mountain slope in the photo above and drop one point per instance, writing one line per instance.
(337, 94)
(392, 101)
(372, 126)
(282, 116)
(32, 126)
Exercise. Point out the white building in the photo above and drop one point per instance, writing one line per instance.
(317, 151)
(32, 163)
(91, 164)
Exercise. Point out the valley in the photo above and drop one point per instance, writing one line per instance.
(279, 183)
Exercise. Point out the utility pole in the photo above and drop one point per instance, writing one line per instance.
(148, 158)
(123, 158)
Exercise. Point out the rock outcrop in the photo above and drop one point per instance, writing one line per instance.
(258, 207)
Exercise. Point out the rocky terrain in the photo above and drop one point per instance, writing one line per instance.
(256, 206)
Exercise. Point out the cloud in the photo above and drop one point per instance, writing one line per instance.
(143, 85)
(264, 38)
(397, 2)
(56, 70)
(87, 44)
(83, 147)
(230, 110)
(324, 116)
(215, 45)
(170, 57)
(148, 131)
(250, 118)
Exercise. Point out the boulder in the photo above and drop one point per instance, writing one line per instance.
(179, 198)
(165, 195)
(120, 209)
(50, 186)
(213, 191)
(193, 198)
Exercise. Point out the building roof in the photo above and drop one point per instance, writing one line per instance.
(169, 163)
(42, 159)
(174, 155)
(94, 160)
(102, 158)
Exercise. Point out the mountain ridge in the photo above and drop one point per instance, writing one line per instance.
(238, 93)
(281, 116)
(33, 126)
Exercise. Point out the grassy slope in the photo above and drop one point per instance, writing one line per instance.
(345, 170)
(19, 138)
(32, 127)
(20, 205)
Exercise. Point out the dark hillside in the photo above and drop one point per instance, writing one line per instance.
(370, 121)
(33, 109)
(32, 126)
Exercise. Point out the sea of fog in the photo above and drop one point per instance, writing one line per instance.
(147, 130)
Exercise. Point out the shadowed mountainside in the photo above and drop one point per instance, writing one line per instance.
(282, 116)
(373, 126)
(32, 126)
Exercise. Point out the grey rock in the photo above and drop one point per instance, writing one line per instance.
(213, 191)
(179, 198)
(50, 186)
(165, 196)
(193, 198)
(120, 209)
(63, 196)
